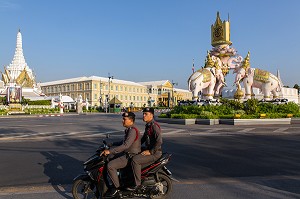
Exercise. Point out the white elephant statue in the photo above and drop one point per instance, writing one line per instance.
(206, 80)
(256, 78)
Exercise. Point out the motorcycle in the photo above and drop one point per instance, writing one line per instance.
(156, 179)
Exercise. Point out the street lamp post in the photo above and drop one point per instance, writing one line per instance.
(149, 97)
(109, 81)
(173, 83)
(100, 97)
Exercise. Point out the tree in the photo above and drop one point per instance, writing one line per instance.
(296, 86)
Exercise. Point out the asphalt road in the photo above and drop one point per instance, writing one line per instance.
(41, 155)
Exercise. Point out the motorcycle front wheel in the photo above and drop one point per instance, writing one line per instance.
(84, 190)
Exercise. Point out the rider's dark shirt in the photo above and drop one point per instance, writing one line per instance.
(152, 137)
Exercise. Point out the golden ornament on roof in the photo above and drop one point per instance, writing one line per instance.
(209, 63)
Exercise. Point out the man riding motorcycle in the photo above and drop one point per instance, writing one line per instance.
(122, 152)
(153, 140)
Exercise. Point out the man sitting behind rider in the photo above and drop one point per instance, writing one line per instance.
(153, 140)
(130, 146)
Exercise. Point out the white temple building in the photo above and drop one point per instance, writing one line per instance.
(18, 79)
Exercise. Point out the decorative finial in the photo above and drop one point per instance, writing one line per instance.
(218, 19)
(209, 63)
(246, 62)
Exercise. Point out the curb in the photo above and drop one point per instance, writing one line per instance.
(52, 115)
(255, 121)
(226, 121)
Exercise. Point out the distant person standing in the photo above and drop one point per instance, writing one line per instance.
(152, 151)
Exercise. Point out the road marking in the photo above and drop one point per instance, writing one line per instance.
(208, 132)
(280, 130)
(246, 130)
(24, 135)
(102, 134)
(173, 132)
(47, 135)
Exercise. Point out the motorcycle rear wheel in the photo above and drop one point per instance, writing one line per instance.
(83, 190)
(167, 187)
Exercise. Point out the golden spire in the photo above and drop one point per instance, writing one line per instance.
(246, 62)
(208, 62)
(220, 32)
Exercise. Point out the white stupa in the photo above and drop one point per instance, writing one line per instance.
(18, 74)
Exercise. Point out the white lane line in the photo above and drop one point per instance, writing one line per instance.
(173, 132)
(210, 131)
(280, 130)
(101, 134)
(59, 134)
(246, 130)
(22, 136)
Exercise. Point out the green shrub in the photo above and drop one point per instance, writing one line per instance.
(40, 110)
(252, 116)
(240, 112)
(3, 100)
(297, 114)
(249, 109)
(251, 106)
(226, 116)
(224, 110)
(276, 115)
(39, 102)
(163, 115)
(266, 108)
(290, 107)
(207, 115)
(183, 116)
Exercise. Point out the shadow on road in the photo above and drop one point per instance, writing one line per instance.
(60, 169)
(271, 161)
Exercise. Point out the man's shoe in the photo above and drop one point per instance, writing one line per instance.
(111, 193)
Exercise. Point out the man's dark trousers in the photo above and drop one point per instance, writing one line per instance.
(139, 160)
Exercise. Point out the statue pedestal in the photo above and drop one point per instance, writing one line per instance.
(15, 109)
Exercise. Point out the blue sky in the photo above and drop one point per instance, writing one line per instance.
(143, 40)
